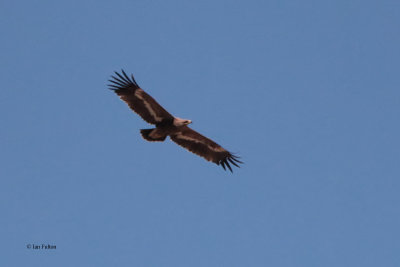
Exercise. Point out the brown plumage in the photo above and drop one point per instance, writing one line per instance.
(167, 125)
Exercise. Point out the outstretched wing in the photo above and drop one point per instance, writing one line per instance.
(137, 99)
(204, 147)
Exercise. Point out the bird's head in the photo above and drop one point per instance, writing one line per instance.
(181, 122)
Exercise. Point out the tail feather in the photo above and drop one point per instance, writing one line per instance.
(146, 135)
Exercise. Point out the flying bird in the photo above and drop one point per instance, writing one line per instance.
(167, 125)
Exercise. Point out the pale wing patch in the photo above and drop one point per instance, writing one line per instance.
(138, 94)
(188, 138)
(218, 149)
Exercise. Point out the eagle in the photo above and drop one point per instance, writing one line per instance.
(167, 125)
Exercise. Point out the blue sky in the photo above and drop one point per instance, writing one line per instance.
(307, 92)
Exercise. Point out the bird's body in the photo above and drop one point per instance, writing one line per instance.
(166, 124)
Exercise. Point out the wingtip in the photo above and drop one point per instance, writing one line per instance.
(230, 159)
(121, 80)
(229, 166)
(235, 158)
(223, 165)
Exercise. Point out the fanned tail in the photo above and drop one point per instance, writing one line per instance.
(151, 135)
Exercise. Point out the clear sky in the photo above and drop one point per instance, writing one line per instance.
(306, 92)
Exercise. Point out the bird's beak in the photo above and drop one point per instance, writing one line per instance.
(190, 122)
